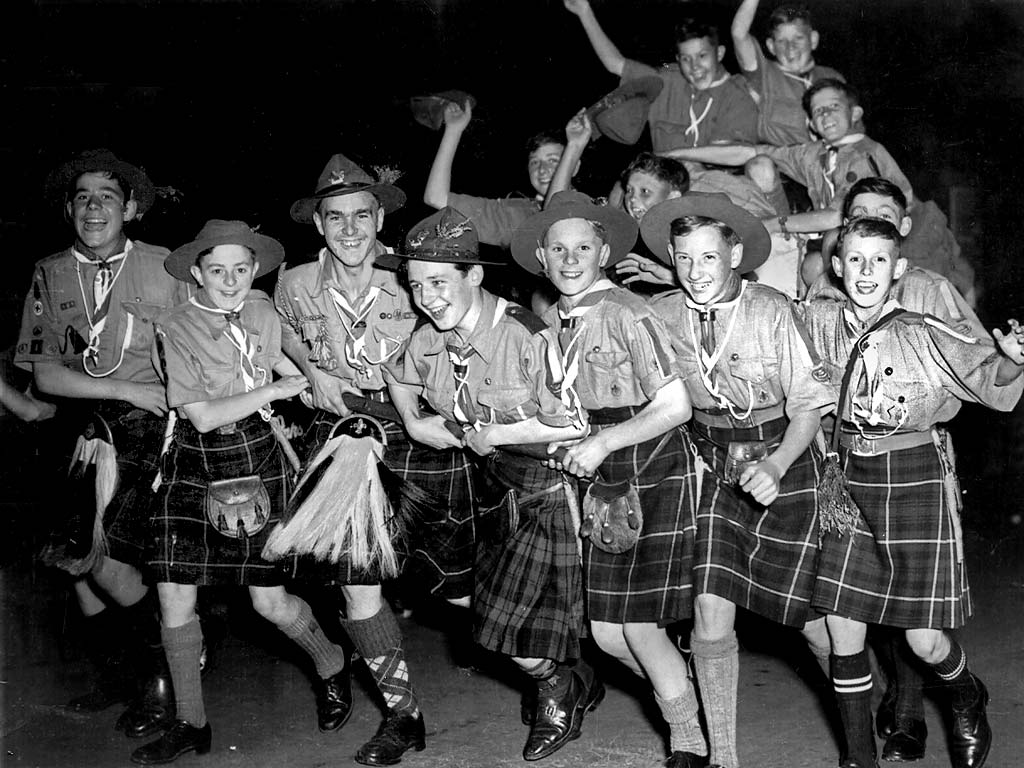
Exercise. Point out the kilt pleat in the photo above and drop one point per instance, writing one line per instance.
(900, 567)
(528, 596)
(188, 548)
(653, 581)
(763, 559)
(434, 540)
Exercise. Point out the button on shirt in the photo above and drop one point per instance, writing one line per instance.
(202, 363)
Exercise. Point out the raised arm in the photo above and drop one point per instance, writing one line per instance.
(439, 183)
(718, 154)
(742, 41)
(605, 49)
(577, 135)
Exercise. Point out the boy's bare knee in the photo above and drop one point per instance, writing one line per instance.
(713, 617)
(610, 638)
(761, 170)
(929, 645)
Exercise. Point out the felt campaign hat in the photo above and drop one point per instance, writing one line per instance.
(93, 160)
(343, 177)
(618, 225)
(429, 110)
(269, 252)
(657, 222)
(621, 114)
(447, 237)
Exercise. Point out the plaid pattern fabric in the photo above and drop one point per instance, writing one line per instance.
(654, 580)
(760, 558)
(189, 549)
(900, 567)
(528, 597)
(436, 550)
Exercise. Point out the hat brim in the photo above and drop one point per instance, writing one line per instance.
(390, 197)
(604, 111)
(429, 110)
(269, 253)
(143, 191)
(392, 260)
(619, 226)
(657, 222)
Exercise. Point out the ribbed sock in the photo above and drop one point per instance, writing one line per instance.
(379, 641)
(909, 681)
(684, 730)
(851, 677)
(183, 646)
(717, 663)
(309, 636)
(956, 678)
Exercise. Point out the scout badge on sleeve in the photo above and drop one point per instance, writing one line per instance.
(340, 507)
(94, 462)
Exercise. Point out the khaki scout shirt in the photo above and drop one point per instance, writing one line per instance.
(55, 324)
(765, 361)
(306, 305)
(509, 378)
(202, 363)
(625, 350)
(916, 370)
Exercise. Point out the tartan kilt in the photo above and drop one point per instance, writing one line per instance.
(188, 547)
(528, 595)
(763, 559)
(900, 567)
(434, 541)
(138, 437)
(653, 581)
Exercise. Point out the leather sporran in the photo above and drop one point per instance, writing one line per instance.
(238, 508)
(612, 517)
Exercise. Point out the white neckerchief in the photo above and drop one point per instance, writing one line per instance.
(706, 362)
(460, 360)
(868, 343)
(695, 121)
(569, 358)
(355, 344)
(828, 169)
(102, 286)
(804, 80)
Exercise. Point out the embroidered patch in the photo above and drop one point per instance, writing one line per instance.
(337, 177)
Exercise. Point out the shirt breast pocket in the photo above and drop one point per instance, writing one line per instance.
(500, 400)
(218, 379)
(757, 371)
(142, 316)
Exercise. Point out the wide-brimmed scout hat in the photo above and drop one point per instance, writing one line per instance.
(447, 237)
(269, 252)
(429, 110)
(657, 222)
(92, 160)
(343, 177)
(619, 227)
(622, 114)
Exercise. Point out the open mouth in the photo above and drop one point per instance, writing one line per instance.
(437, 312)
(637, 213)
(865, 287)
(94, 225)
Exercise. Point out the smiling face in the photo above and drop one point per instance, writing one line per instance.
(573, 255)
(226, 274)
(541, 166)
(448, 296)
(98, 211)
(704, 262)
(644, 191)
(793, 44)
(349, 224)
(868, 265)
(700, 62)
(832, 117)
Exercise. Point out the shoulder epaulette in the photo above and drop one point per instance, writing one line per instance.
(526, 318)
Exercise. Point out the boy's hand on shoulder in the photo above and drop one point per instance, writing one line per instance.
(762, 480)
(457, 116)
(577, 7)
(640, 268)
(1011, 344)
(148, 397)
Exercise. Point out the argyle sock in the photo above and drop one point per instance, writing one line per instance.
(684, 730)
(379, 641)
(909, 681)
(308, 635)
(551, 677)
(956, 678)
(717, 663)
(851, 677)
(183, 646)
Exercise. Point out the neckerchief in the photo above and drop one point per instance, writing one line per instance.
(570, 335)
(102, 286)
(464, 410)
(804, 78)
(707, 360)
(830, 160)
(867, 341)
(694, 127)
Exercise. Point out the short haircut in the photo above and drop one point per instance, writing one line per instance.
(789, 14)
(686, 225)
(830, 82)
(599, 230)
(538, 140)
(666, 169)
(208, 251)
(867, 226)
(122, 182)
(875, 185)
(695, 29)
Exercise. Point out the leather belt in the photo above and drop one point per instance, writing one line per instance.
(864, 446)
(721, 418)
(376, 395)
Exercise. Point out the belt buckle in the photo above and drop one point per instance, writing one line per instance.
(862, 446)
(227, 429)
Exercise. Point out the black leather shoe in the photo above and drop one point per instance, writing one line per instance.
(334, 701)
(557, 721)
(686, 760)
(151, 712)
(972, 736)
(181, 738)
(399, 732)
(885, 717)
(906, 742)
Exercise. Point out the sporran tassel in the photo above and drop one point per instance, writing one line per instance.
(837, 511)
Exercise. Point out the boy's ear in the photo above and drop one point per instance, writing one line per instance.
(539, 253)
(606, 251)
(814, 39)
(856, 115)
(906, 223)
(197, 274)
(255, 266)
(837, 265)
(736, 256)
(380, 219)
(131, 208)
(721, 53)
(901, 267)
(769, 43)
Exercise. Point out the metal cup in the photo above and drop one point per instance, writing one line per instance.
(740, 455)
